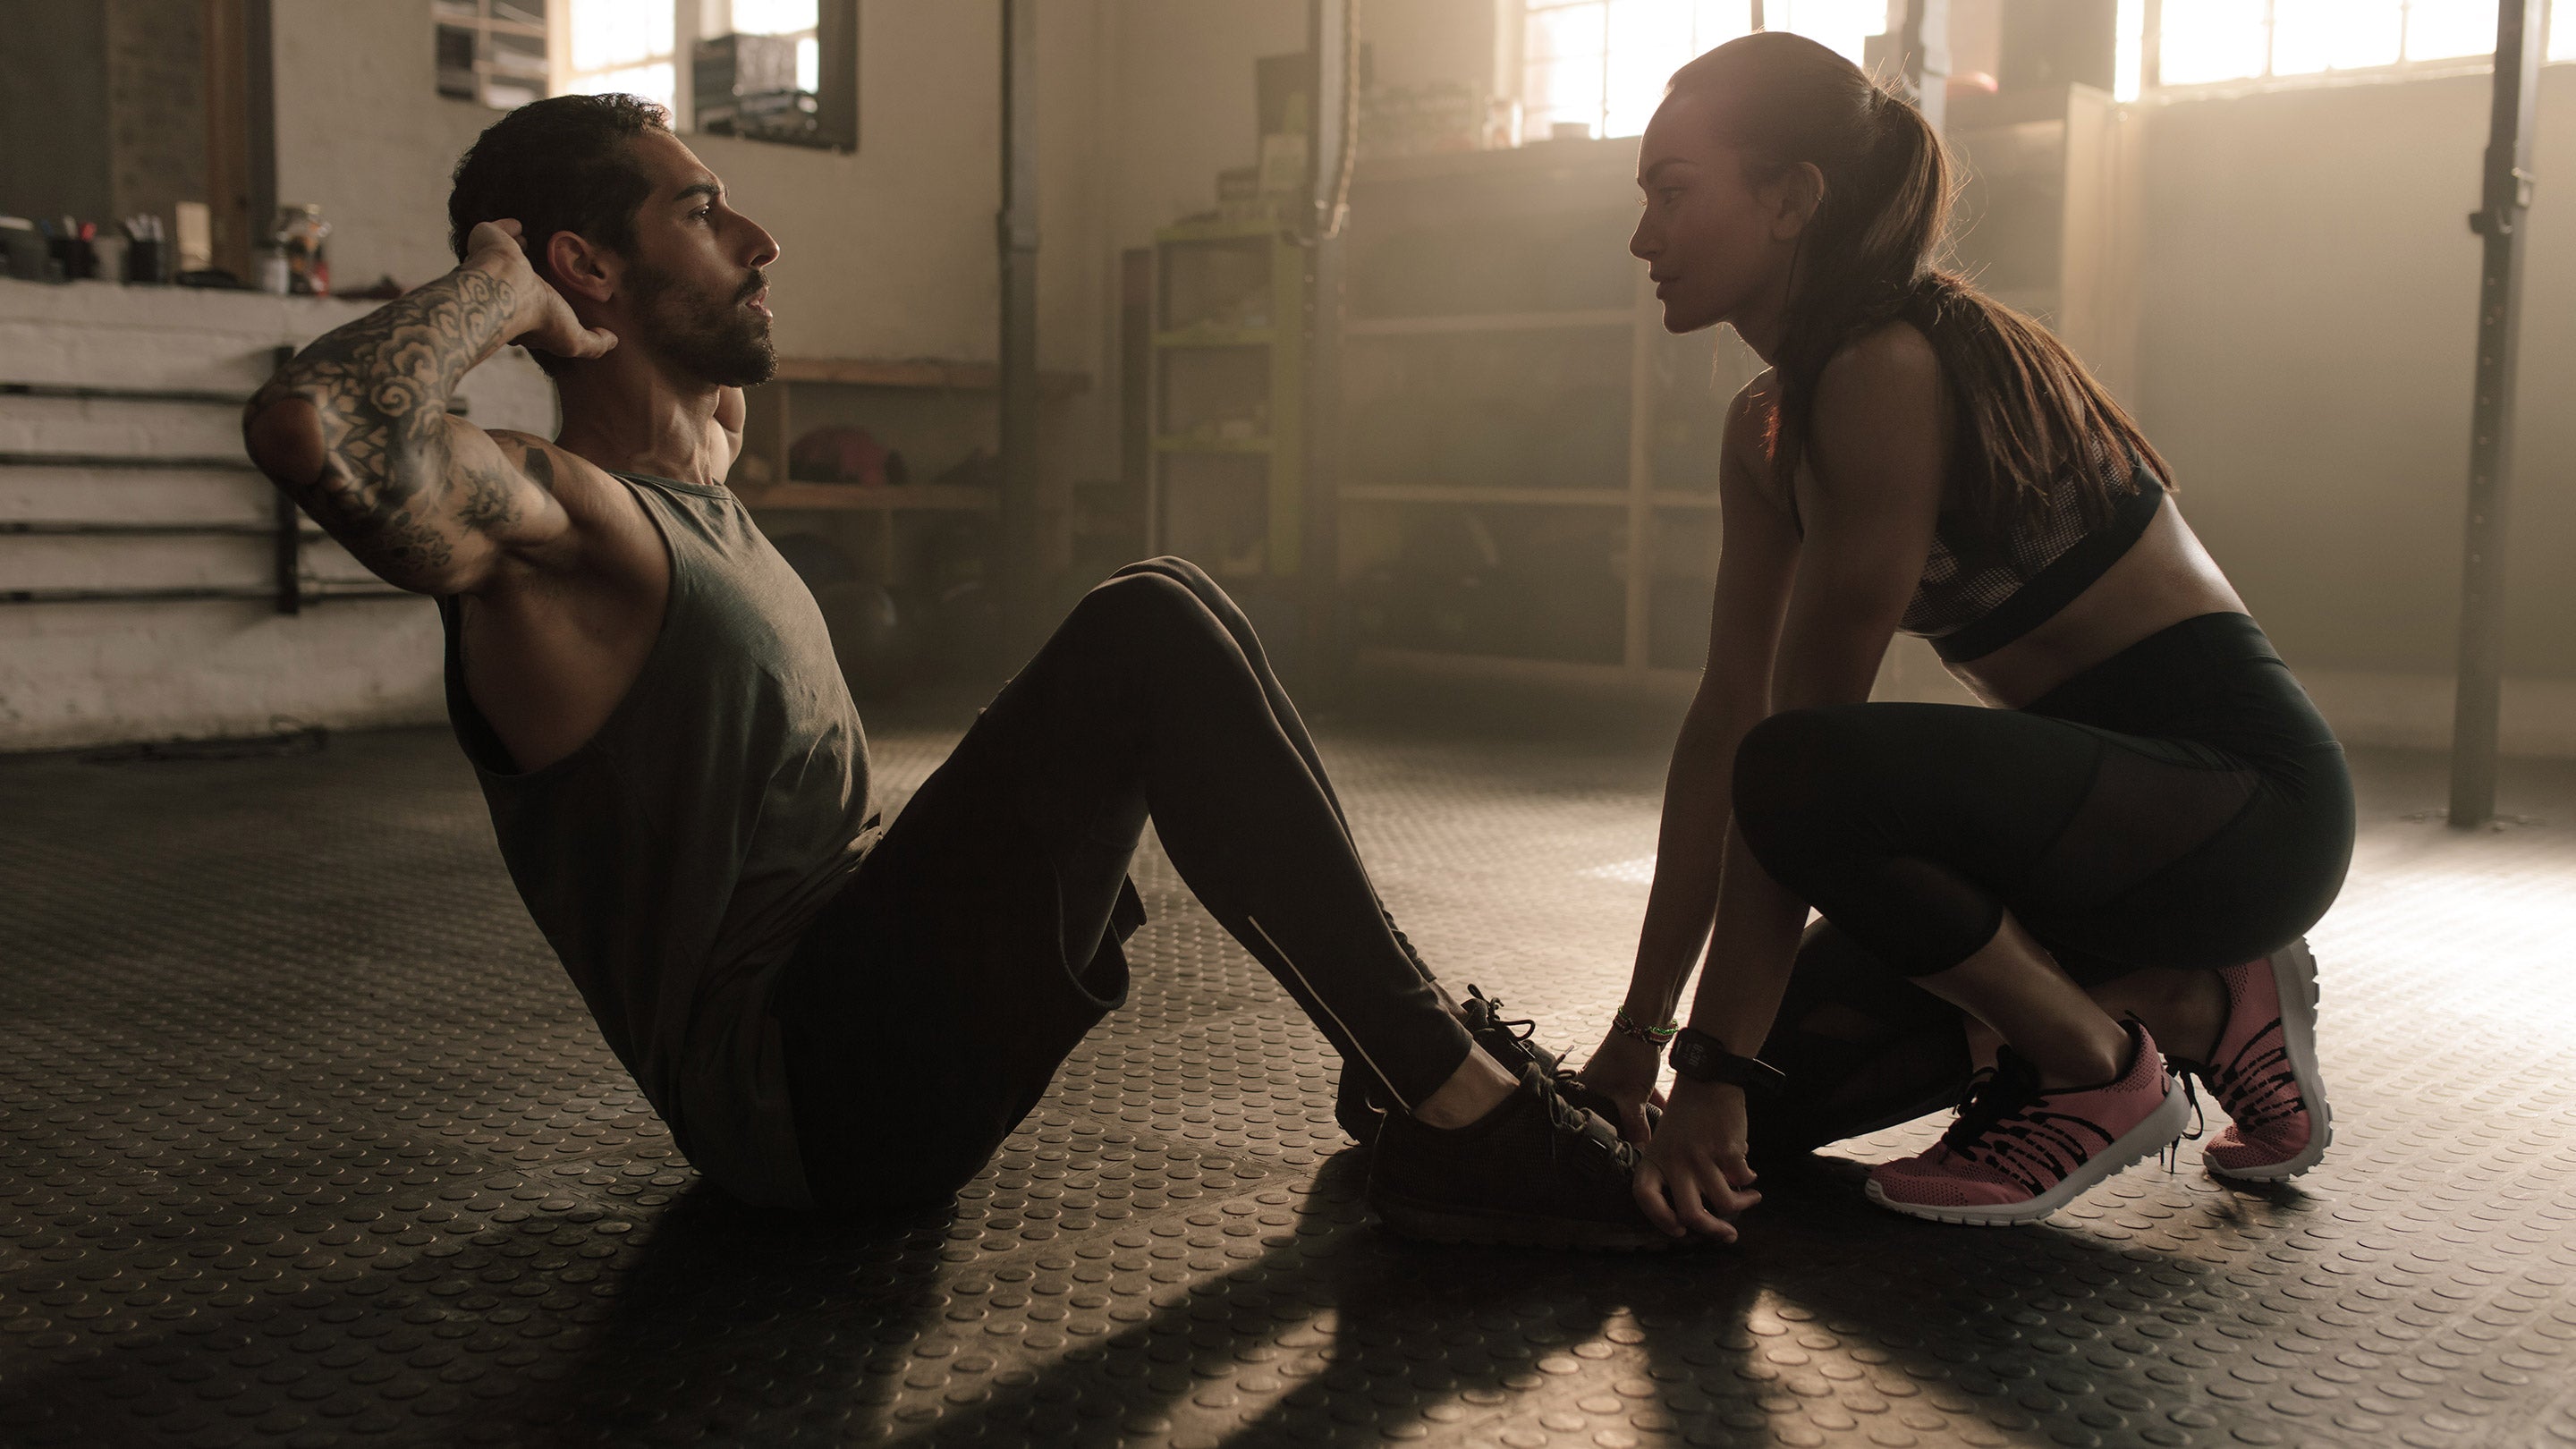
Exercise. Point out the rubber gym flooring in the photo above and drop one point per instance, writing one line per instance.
(305, 1141)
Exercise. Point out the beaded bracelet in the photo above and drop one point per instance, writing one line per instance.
(1654, 1036)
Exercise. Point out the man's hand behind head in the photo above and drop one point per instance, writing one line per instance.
(540, 317)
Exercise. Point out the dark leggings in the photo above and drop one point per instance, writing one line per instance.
(980, 940)
(2180, 805)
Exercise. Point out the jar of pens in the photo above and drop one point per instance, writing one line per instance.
(135, 250)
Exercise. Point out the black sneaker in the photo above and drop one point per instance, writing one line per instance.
(1507, 1040)
(1537, 1172)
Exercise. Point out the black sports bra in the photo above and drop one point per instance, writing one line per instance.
(1978, 595)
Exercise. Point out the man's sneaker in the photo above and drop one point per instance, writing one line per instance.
(1358, 1108)
(1536, 1172)
(2019, 1152)
(2264, 1072)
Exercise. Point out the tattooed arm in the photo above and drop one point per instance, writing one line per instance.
(355, 428)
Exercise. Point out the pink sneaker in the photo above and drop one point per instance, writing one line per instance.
(2018, 1153)
(2264, 1072)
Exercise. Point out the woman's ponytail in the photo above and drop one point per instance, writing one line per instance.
(2029, 418)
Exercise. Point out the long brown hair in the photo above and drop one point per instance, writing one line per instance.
(2029, 418)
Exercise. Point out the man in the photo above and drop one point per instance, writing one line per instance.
(678, 780)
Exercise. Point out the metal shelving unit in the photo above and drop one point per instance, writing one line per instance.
(1227, 482)
(1514, 398)
(936, 410)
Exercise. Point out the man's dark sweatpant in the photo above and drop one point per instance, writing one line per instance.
(931, 1003)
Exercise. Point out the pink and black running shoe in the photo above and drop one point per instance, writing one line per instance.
(2264, 1072)
(2019, 1152)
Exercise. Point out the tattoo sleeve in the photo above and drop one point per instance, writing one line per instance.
(391, 487)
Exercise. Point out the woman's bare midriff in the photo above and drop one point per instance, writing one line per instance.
(2164, 578)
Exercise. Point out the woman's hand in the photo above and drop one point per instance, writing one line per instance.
(1624, 1069)
(1693, 1176)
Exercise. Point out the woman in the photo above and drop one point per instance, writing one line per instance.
(2099, 881)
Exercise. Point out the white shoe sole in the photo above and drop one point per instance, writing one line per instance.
(2294, 979)
(2161, 1129)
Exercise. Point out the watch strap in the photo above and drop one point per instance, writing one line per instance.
(1703, 1058)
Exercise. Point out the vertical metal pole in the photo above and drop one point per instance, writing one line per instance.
(2477, 715)
(1329, 40)
(1922, 32)
(1021, 589)
(289, 554)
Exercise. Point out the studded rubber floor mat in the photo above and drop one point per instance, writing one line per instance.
(306, 1141)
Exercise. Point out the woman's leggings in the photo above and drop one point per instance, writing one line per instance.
(931, 1003)
(2180, 805)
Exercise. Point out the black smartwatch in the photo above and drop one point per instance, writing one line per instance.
(1703, 1058)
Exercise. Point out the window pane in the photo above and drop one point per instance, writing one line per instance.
(1565, 32)
(1649, 40)
(809, 64)
(2129, 55)
(2313, 35)
(2211, 40)
(523, 56)
(619, 32)
(773, 17)
(2562, 29)
(1562, 81)
(1841, 25)
(2439, 29)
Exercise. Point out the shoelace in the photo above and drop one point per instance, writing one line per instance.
(1565, 1079)
(2258, 1087)
(1518, 1028)
(1994, 1095)
(2171, 1155)
(1567, 1119)
(1998, 1129)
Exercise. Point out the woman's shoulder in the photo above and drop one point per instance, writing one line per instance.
(1895, 357)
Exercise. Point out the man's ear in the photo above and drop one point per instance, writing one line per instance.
(582, 271)
(1794, 199)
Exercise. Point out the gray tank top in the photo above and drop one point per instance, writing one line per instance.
(674, 860)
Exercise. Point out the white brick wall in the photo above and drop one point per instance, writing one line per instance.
(80, 674)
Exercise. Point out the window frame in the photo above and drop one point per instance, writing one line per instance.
(2151, 58)
(482, 25)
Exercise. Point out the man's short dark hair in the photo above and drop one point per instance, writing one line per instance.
(560, 164)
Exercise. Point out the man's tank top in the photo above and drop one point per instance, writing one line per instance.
(674, 859)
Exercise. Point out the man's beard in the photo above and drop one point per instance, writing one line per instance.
(723, 343)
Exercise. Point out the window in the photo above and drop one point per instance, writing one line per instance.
(794, 19)
(1598, 67)
(621, 45)
(2202, 42)
(505, 53)
(491, 51)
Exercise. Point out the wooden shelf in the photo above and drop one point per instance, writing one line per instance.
(1542, 673)
(1597, 317)
(1211, 445)
(1463, 493)
(870, 498)
(1552, 497)
(920, 372)
(1217, 337)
